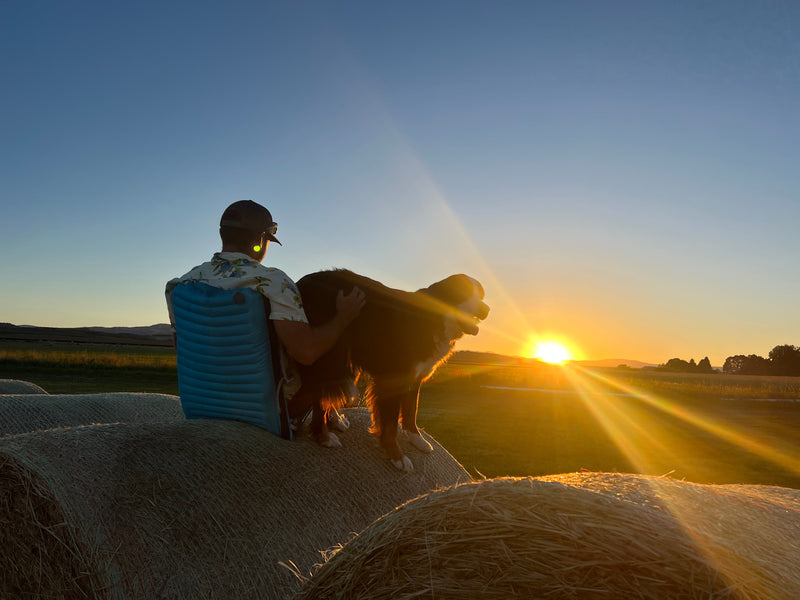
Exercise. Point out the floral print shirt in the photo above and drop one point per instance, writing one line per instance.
(234, 270)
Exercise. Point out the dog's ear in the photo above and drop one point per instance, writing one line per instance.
(455, 289)
(478, 287)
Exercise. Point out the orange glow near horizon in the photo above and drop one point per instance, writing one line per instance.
(550, 351)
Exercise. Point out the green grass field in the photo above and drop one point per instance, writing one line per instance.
(69, 368)
(702, 428)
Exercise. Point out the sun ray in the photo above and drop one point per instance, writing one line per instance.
(635, 441)
(728, 434)
(462, 241)
(615, 420)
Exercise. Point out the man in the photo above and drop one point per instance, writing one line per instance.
(246, 229)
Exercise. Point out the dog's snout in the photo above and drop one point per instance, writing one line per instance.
(483, 311)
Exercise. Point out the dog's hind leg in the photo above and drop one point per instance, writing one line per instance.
(319, 427)
(309, 399)
(300, 404)
(408, 417)
(349, 397)
(385, 404)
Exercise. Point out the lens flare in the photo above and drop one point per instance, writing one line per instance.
(551, 352)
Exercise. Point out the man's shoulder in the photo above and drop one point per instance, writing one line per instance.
(190, 275)
(272, 280)
(275, 271)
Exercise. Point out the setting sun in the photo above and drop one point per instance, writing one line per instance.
(551, 352)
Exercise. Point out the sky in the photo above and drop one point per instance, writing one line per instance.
(622, 177)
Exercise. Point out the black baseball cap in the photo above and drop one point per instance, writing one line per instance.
(249, 215)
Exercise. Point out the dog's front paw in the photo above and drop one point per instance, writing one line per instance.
(420, 443)
(403, 465)
(332, 441)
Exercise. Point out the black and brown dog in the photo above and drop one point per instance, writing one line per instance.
(399, 339)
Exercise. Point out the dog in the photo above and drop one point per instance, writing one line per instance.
(399, 339)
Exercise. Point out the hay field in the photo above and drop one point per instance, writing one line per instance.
(495, 432)
(703, 430)
(73, 368)
(591, 529)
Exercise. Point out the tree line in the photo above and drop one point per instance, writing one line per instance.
(681, 366)
(782, 360)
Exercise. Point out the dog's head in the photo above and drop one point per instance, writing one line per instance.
(461, 298)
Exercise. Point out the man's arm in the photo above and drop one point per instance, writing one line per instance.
(306, 344)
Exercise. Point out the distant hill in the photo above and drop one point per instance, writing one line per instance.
(486, 358)
(154, 335)
(161, 335)
(162, 330)
(614, 362)
(490, 358)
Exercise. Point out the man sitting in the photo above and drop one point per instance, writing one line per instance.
(246, 229)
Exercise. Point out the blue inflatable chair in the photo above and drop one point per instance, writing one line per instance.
(228, 359)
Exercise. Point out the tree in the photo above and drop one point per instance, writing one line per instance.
(756, 365)
(746, 365)
(681, 366)
(676, 364)
(704, 366)
(734, 364)
(785, 360)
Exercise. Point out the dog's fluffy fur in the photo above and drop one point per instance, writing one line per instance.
(399, 338)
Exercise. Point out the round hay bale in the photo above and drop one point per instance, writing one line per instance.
(17, 386)
(749, 533)
(540, 538)
(190, 509)
(26, 413)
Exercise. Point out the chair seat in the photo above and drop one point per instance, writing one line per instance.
(226, 362)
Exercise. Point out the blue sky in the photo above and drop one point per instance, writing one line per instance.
(622, 176)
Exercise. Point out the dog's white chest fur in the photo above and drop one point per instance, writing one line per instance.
(444, 347)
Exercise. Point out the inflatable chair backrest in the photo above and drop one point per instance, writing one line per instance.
(228, 357)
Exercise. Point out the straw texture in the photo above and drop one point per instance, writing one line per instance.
(586, 536)
(31, 412)
(17, 386)
(190, 509)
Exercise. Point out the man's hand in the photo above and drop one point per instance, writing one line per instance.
(350, 306)
(306, 344)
